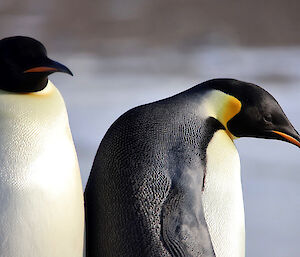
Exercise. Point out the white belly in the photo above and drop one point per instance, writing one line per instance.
(223, 199)
(41, 200)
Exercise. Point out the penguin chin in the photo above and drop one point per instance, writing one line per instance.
(38, 86)
(32, 85)
(27, 84)
(33, 82)
(289, 137)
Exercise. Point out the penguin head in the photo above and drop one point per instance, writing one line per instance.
(259, 116)
(24, 65)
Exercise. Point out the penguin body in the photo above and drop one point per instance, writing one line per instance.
(145, 189)
(41, 211)
(166, 177)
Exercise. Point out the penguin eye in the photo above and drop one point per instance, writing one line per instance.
(267, 118)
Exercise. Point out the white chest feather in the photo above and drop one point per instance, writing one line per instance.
(223, 199)
(41, 212)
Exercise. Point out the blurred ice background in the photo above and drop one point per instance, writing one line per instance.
(124, 53)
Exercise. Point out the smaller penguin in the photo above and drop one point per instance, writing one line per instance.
(41, 198)
(166, 177)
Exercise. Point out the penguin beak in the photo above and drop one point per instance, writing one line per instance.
(295, 139)
(50, 66)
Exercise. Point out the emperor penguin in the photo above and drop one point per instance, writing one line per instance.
(166, 178)
(41, 197)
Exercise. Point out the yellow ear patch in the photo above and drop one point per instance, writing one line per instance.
(232, 107)
(223, 107)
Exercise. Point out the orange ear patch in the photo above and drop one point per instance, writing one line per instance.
(223, 107)
(231, 108)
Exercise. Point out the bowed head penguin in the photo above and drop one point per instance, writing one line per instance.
(166, 177)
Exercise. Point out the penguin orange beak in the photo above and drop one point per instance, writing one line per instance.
(41, 69)
(288, 138)
(50, 66)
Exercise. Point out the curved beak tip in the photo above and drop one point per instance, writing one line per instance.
(70, 73)
(60, 67)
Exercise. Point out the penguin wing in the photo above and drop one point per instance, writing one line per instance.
(184, 231)
(170, 225)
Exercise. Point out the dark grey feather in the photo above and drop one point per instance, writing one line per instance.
(143, 197)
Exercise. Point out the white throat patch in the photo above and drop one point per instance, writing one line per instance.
(222, 197)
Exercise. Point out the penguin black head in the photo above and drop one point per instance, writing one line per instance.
(24, 65)
(259, 116)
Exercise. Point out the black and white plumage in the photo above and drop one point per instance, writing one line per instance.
(166, 177)
(41, 198)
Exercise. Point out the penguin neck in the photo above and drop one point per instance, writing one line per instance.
(222, 196)
(222, 107)
(46, 91)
